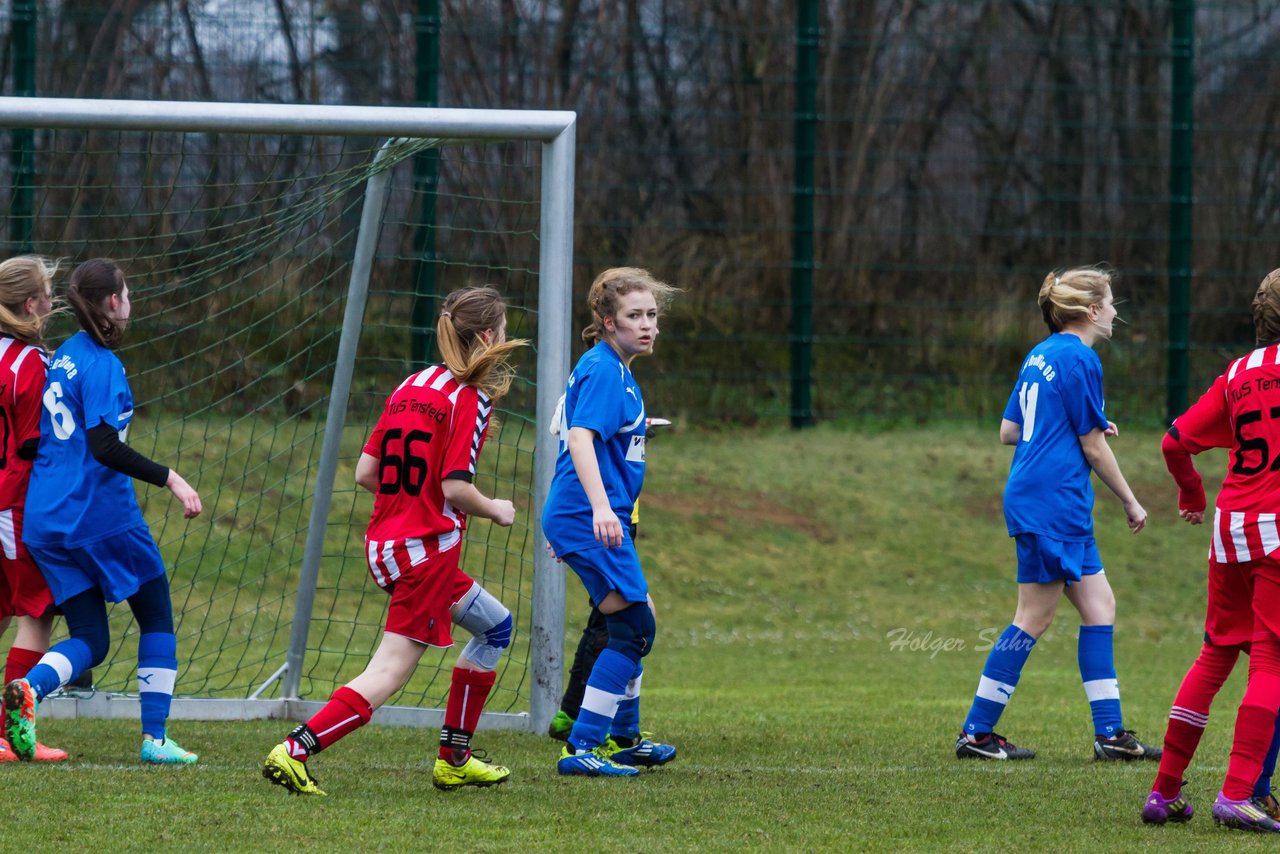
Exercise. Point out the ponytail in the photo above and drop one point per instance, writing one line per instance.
(91, 284)
(467, 313)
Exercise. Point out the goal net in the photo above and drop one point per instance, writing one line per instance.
(286, 272)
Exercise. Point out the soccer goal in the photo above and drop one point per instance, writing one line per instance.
(285, 264)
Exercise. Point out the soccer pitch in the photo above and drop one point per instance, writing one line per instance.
(824, 603)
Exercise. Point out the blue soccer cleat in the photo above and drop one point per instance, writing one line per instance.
(643, 754)
(591, 763)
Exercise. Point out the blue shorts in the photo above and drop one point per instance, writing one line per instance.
(1043, 559)
(118, 565)
(602, 570)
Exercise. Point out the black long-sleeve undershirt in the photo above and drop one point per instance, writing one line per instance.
(106, 447)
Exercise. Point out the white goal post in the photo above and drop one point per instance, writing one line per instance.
(554, 131)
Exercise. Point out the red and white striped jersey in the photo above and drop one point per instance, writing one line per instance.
(431, 430)
(22, 371)
(1241, 412)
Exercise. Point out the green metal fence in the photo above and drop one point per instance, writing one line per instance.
(860, 199)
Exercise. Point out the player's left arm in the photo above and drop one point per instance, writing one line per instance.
(1103, 462)
(468, 430)
(464, 495)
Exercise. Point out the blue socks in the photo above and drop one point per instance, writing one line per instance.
(157, 671)
(626, 721)
(605, 688)
(59, 665)
(1098, 672)
(999, 678)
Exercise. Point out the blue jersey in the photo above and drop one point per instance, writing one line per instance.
(603, 397)
(1056, 400)
(73, 499)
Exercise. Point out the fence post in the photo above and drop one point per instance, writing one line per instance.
(1181, 164)
(806, 125)
(22, 157)
(426, 179)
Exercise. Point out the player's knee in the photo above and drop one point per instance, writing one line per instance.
(490, 625)
(631, 631)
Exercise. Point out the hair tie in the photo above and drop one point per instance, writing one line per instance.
(1057, 280)
(446, 314)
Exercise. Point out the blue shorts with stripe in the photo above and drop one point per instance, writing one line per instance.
(118, 565)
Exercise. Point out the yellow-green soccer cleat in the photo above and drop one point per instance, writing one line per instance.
(473, 772)
(166, 751)
(283, 770)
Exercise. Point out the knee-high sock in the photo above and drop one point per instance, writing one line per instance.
(626, 722)
(605, 688)
(58, 666)
(1190, 714)
(345, 713)
(19, 663)
(157, 673)
(999, 679)
(467, 693)
(1256, 720)
(1096, 657)
(1262, 787)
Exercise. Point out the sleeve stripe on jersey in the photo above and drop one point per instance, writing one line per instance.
(483, 407)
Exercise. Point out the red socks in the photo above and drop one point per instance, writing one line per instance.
(19, 663)
(1190, 713)
(1256, 720)
(467, 695)
(345, 713)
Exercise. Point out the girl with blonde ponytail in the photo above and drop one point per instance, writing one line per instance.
(1056, 421)
(419, 464)
(26, 303)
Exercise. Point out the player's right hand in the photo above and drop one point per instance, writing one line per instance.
(1194, 517)
(607, 528)
(504, 512)
(182, 491)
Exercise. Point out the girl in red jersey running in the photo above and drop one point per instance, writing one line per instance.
(26, 302)
(1240, 411)
(420, 463)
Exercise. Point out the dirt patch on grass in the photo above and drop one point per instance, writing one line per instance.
(726, 513)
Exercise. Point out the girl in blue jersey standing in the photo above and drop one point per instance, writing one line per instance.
(87, 533)
(1055, 418)
(597, 479)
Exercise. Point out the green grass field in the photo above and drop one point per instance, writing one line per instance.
(785, 566)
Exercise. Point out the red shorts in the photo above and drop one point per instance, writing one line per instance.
(1244, 599)
(422, 596)
(23, 590)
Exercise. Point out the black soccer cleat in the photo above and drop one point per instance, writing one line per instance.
(990, 746)
(1124, 747)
